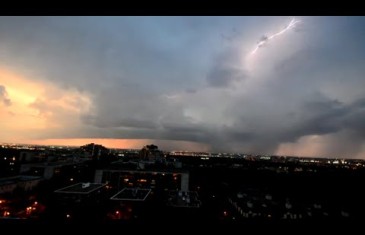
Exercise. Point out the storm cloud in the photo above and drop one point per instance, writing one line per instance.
(172, 78)
(226, 69)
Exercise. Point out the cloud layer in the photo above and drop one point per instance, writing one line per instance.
(177, 79)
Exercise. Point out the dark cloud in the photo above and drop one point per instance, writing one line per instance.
(136, 122)
(354, 118)
(313, 118)
(4, 98)
(191, 90)
(226, 69)
(224, 76)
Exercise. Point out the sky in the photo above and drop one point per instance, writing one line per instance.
(186, 83)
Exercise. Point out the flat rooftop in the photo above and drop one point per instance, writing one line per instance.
(131, 194)
(79, 189)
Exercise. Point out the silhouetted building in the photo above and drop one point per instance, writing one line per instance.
(151, 153)
(95, 151)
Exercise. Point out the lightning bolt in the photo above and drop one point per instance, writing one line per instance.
(292, 23)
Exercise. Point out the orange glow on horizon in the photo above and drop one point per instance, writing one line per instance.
(122, 143)
(109, 143)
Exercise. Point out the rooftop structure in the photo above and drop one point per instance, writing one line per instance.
(80, 188)
(132, 194)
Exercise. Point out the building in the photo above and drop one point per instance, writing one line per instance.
(95, 151)
(26, 183)
(151, 153)
(49, 169)
(80, 202)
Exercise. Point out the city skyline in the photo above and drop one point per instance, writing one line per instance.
(186, 83)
